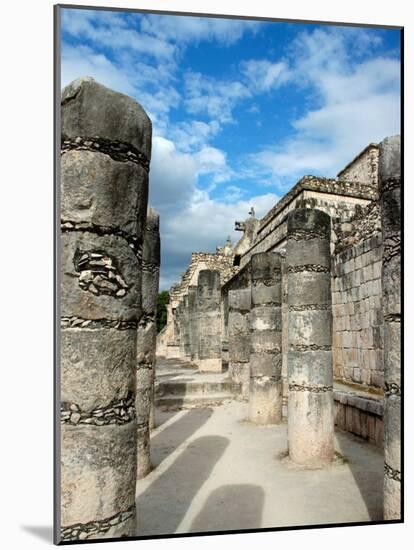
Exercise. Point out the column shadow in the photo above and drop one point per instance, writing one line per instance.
(231, 507)
(163, 505)
(164, 443)
(367, 473)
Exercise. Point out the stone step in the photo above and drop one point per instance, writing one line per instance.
(191, 388)
(176, 402)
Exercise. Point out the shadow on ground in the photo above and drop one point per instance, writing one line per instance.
(175, 434)
(368, 476)
(43, 532)
(163, 505)
(231, 507)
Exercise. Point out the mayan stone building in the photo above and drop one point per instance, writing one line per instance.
(344, 281)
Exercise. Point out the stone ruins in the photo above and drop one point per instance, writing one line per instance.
(299, 320)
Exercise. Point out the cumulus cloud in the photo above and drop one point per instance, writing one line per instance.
(213, 97)
(358, 104)
(190, 219)
(196, 29)
(263, 75)
(201, 226)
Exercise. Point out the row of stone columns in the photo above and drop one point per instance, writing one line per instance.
(255, 338)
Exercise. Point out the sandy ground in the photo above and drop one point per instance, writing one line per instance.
(213, 470)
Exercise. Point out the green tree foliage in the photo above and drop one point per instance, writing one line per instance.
(162, 301)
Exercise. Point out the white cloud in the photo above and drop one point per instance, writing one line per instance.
(193, 134)
(190, 219)
(213, 97)
(202, 226)
(83, 61)
(113, 31)
(359, 103)
(263, 75)
(196, 29)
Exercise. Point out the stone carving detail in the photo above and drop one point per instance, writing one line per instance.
(135, 243)
(122, 152)
(120, 411)
(312, 389)
(314, 268)
(95, 529)
(309, 307)
(305, 235)
(97, 324)
(99, 274)
(391, 473)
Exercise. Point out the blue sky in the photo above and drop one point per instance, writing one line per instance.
(241, 109)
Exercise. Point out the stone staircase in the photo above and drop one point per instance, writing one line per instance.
(179, 385)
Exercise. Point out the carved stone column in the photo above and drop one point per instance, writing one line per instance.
(106, 148)
(310, 371)
(390, 189)
(265, 396)
(146, 341)
(209, 321)
(193, 323)
(239, 339)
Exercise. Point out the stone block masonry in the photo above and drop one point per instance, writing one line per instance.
(106, 148)
(310, 373)
(239, 303)
(357, 314)
(265, 394)
(146, 341)
(390, 189)
(209, 321)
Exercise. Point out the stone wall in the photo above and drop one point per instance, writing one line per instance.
(336, 198)
(357, 312)
(363, 168)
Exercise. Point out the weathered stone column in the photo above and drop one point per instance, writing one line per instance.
(193, 323)
(265, 395)
(146, 340)
(239, 302)
(186, 329)
(181, 330)
(390, 189)
(209, 321)
(310, 371)
(106, 147)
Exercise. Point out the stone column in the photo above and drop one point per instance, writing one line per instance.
(209, 321)
(146, 340)
(310, 371)
(106, 147)
(192, 322)
(265, 396)
(390, 189)
(186, 329)
(181, 329)
(239, 303)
